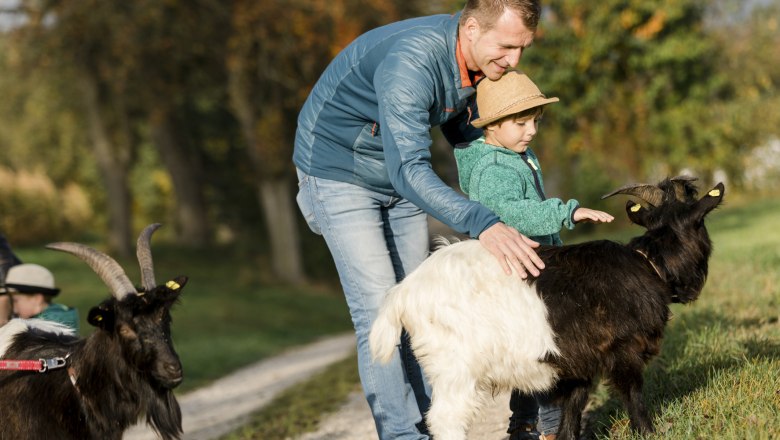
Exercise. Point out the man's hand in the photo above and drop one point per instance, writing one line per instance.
(512, 249)
(591, 215)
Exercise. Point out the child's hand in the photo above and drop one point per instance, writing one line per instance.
(591, 215)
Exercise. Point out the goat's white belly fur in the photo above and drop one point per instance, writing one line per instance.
(468, 319)
(475, 331)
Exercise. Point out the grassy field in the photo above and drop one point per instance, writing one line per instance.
(227, 318)
(718, 375)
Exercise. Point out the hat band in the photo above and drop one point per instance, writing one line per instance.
(21, 288)
(513, 104)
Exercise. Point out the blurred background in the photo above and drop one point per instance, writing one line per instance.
(116, 114)
(119, 113)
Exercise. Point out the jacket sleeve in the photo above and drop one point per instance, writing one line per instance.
(503, 190)
(405, 93)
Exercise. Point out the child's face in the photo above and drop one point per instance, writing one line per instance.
(513, 133)
(27, 306)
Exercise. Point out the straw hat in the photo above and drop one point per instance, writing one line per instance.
(510, 94)
(31, 278)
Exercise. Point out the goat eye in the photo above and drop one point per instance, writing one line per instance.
(127, 332)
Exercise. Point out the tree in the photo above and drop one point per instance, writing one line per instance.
(276, 52)
(72, 39)
(636, 79)
(179, 47)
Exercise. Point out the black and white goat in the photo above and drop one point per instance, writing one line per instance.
(125, 369)
(598, 308)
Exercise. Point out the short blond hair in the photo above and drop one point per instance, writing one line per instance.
(487, 12)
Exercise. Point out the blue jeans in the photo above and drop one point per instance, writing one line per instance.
(375, 240)
(527, 407)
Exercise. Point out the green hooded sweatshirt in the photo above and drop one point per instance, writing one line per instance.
(510, 184)
(62, 314)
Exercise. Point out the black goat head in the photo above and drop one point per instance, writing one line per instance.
(138, 318)
(675, 195)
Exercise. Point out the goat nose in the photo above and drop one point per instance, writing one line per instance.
(173, 368)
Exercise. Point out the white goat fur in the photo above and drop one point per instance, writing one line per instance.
(475, 330)
(16, 326)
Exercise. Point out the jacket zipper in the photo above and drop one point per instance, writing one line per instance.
(532, 166)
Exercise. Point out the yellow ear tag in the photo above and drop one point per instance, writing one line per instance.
(636, 208)
(714, 193)
(98, 318)
(173, 285)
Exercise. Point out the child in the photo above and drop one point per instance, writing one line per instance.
(500, 171)
(32, 288)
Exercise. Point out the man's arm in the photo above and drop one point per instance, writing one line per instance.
(404, 98)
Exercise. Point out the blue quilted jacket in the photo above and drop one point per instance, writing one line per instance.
(367, 120)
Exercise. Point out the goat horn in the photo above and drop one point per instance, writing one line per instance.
(104, 266)
(679, 186)
(649, 193)
(144, 254)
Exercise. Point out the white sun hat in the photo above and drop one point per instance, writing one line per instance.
(31, 278)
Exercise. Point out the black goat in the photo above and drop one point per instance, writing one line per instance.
(597, 308)
(125, 369)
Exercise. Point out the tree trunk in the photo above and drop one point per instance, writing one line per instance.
(114, 162)
(274, 193)
(191, 213)
(279, 213)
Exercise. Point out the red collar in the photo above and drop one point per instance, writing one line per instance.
(467, 77)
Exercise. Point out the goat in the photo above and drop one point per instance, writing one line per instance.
(598, 308)
(125, 369)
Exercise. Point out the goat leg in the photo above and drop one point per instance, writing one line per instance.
(628, 382)
(452, 407)
(574, 398)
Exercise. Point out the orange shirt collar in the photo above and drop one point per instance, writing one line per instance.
(466, 78)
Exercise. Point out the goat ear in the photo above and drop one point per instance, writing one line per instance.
(710, 200)
(636, 213)
(177, 283)
(101, 317)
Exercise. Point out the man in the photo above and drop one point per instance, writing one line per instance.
(7, 260)
(362, 151)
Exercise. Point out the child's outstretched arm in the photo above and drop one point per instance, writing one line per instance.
(591, 216)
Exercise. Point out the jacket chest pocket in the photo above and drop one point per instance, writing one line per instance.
(369, 157)
(453, 107)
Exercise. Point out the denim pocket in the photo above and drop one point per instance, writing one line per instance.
(306, 201)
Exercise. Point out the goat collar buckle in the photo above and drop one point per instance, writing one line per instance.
(52, 363)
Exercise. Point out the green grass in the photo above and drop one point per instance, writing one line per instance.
(227, 318)
(718, 374)
(300, 408)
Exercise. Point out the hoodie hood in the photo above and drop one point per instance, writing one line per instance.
(468, 155)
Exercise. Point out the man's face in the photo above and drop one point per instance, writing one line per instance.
(494, 51)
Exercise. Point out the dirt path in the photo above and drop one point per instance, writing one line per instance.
(353, 422)
(225, 405)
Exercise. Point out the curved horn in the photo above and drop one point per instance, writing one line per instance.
(679, 186)
(684, 178)
(104, 266)
(649, 193)
(144, 254)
